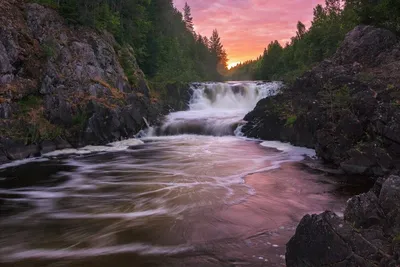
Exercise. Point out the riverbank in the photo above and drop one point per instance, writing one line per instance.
(151, 206)
(64, 85)
(346, 108)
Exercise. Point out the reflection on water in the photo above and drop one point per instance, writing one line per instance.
(183, 200)
(173, 201)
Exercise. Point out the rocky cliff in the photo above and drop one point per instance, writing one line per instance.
(368, 235)
(63, 85)
(348, 109)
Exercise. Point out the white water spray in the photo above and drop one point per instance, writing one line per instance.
(217, 108)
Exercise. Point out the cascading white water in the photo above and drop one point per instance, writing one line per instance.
(217, 108)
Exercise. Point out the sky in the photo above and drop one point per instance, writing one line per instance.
(246, 27)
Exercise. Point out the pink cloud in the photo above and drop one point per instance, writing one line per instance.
(247, 26)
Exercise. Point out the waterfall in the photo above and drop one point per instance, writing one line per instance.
(217, 109)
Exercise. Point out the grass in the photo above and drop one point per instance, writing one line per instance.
(396, 239)
(290, 121)
(365, 77)
(49, 49)
(80, 119)
(127, 63)
(30, 123)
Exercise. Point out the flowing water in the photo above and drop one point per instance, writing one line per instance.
(193, 192)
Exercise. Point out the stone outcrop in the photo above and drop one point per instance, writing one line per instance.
(347, 107)
(68, 82)
(369, 234)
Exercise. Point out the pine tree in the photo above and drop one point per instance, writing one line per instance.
(187, 17)
(301, 30)
(218, 52)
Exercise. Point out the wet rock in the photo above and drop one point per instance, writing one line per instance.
(3, 157)
(364, 211)
(61, 143)
(364, 44)
(367, 236)
(17, 150)
(75, 78)
(369, 160)
(326, 240)
(389, 200)
(47, 146)
(344, 107)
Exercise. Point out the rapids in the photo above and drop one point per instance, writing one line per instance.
(190, 193)
(217, 108)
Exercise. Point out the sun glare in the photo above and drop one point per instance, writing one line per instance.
(232, 64)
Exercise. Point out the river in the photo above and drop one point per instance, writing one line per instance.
(191, 192)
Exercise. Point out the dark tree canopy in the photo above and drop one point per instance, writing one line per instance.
(187, 17)
(328, 28)
(164, 41)
(218, 52)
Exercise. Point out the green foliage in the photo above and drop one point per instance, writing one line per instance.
(396, 239)
(308, 47)
(106, 19)
(128, 65)
(335, 100)
(383, 13)
(79, 120)
(328, 29)
(165, 44)
(365, 77)
(49, 3)
(48, 49)
(28, 103)
(290, 121)
(32, 126)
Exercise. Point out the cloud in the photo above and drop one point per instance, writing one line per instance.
(247, 26)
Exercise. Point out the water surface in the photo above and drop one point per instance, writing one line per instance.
(175, 198)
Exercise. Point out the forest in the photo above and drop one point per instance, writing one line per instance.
(168, 49)
(329, 26)
(166, 46)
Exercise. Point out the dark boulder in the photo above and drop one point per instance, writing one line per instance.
(17, 150)
(364, 211)
(368, 235)
(389, 200)
(364, 44)
(63, 82)
(326, 240)
(345, 107)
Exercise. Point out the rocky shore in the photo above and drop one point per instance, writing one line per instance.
(348, 109)
(69, 86)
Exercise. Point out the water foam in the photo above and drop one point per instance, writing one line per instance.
(217, 108)
(112, 147)
(68, 253)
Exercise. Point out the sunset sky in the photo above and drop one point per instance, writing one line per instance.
(247, 26)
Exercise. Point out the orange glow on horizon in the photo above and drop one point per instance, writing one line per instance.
(232, 64)
(246, 27)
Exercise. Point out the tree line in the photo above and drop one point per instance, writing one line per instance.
(328, 28)
(166, 46)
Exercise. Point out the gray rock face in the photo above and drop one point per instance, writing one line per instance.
(345, 107)
(364, 211)
(17, 150)
(367, 236)
(364, 44)
(63, 81)
(389, 200)
(325, 240)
